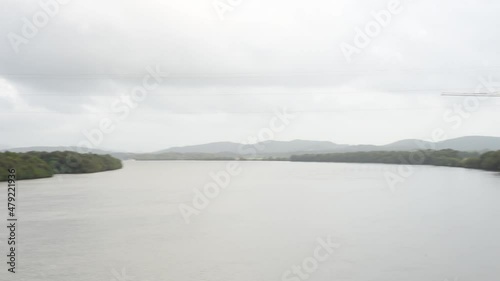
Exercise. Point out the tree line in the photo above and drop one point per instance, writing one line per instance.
(489, 161)
(32, 165)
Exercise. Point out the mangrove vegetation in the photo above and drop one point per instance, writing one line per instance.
(489, 161)
(33, 165)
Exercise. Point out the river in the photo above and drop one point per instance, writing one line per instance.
(438, 224)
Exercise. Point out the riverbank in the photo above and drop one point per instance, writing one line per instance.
(489, 161)
(35, 165)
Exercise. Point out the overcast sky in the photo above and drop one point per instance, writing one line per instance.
(223, 79)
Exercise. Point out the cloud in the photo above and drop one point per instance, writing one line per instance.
(227, 76)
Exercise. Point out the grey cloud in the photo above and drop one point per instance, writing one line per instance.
(264, 55)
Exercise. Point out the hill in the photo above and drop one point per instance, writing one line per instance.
(287, 148)
(284, 149)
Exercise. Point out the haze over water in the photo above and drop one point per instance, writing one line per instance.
(441, 223)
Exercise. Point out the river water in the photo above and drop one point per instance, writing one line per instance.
(438, 224)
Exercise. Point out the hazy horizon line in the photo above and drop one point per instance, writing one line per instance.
(7, 147)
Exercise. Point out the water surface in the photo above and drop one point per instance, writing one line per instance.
(441, 223)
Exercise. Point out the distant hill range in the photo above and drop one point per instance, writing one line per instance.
(266, 149)
(472, 143)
